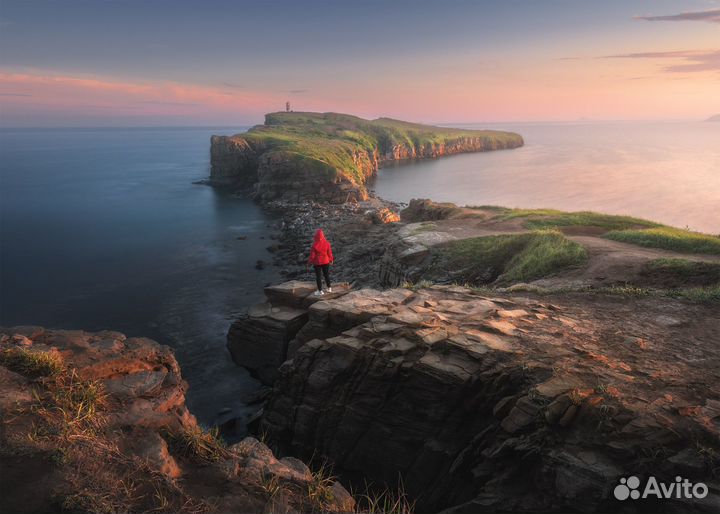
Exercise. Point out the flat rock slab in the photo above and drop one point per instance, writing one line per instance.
(289, 293)
(139, 384)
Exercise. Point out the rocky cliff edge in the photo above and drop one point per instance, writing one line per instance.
(96, 422)
(486, 402)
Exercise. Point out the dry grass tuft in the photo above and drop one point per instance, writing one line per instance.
(199, 444)
(32, 363)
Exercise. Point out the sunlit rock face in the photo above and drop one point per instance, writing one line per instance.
(486, 403)
(97, 422)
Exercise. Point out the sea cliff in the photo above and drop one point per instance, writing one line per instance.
(484, 401)
(97, 422)
(329, 157)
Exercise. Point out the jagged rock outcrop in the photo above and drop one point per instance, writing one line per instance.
(97, 422)
(499, 403)
(328, 157)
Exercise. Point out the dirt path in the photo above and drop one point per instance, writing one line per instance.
(609, 262)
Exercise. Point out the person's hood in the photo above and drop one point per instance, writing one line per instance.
(319, 235)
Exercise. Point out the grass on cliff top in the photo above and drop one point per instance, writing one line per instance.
(669, 238)
(335, 139)
(512, 257)
(65, 425)
(701, 295)
(198, 444)
(683, 268)
(32, 363)
(626, 229)
(551, 218)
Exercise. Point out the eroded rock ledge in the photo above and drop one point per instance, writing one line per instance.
(96, 422)
(500, 403)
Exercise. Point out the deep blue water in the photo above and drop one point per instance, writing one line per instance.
(104, 229)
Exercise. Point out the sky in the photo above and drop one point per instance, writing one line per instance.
(221, 62)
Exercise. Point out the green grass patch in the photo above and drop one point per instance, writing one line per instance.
(348, 144)
(702, 295)
(551, 218)
(686, 269)
(31, 363)
(512, 257)
(698, 294)
(669, 238)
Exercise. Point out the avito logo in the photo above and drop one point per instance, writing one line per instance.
(681, 488)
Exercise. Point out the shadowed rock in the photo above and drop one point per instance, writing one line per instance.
(485, 403)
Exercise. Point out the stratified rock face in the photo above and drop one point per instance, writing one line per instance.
(260, 341)
(329, 157)
(486, 404)
(97, 422)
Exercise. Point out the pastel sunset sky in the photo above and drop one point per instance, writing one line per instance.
(216, 62)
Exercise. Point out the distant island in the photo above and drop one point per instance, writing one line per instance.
(714, 118)
(329, 156)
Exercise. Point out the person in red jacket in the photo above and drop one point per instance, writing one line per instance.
(321, 257)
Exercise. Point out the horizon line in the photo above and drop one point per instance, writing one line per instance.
(440, 124)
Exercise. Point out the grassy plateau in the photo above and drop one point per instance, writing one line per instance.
(334, 141)
(625, 229)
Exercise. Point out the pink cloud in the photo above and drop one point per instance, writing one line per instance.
(686, 60)
(54, 92)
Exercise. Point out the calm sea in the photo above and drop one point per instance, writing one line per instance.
(667, 172)
(104, 229)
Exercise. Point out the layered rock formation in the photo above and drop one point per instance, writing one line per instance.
(499, 403)
(96, 422)
(264, 338)
(329, 157)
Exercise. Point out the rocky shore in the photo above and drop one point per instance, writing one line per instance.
(359, 232)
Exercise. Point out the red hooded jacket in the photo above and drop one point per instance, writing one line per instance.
(320, 253)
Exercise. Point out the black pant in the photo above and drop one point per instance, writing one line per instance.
(326, 272)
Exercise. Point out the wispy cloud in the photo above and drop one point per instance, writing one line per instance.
(54, 90)
(295, 91)
(157, 102)
(712, 16)
(686, 61)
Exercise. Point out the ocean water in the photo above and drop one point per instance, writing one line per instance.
(667, 172)
(104, 229)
